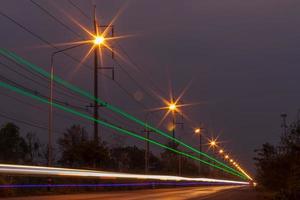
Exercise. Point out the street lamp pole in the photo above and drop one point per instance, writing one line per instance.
(173, 108)
(198, 131)
(173, 135)
(50, 116)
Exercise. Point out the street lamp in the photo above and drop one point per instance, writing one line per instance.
(172, 107)
(213, 143)
(50, 120)
(197, 131)
(98, 40)
(221, 151)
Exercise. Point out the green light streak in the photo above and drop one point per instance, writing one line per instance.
(78, 90)
(111, 126)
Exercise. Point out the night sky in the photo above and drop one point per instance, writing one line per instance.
(240, 58)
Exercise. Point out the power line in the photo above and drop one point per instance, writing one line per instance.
(24, 122)
(63, 116)
(141, 69)
(79, 9)
(56, 19)
(35, 106)
(67, 93)
(39, 94)
(41, 109)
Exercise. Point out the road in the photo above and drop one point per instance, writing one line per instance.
(187, 193)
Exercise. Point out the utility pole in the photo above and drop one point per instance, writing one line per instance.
(284, 124)
(96, 52)
(147, 151)
(96, 67)
(298, 119)
(174, 123)
(200, 149)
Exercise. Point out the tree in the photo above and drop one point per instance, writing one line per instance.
(278, 167)
(268, 164)
(128, 159)
(13, 147)
(170, 159)
(78, 150)
(34, 148)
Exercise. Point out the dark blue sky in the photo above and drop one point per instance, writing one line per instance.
(241, 55)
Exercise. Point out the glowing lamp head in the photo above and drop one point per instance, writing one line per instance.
(197, 130)
(213, 143)
(226, 157)
(99, 40)
(231, 160)
(172, 107)
(221, 151)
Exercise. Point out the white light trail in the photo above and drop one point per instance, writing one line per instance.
(53, 171)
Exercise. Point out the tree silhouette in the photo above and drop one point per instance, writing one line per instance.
(13, 147)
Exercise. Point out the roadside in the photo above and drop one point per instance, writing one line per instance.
(186, 193)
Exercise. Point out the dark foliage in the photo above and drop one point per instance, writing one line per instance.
(278, 167)
(13, 147)
(78, 150)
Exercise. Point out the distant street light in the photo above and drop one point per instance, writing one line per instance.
(221, 151)
(197, 131)
(213, 143)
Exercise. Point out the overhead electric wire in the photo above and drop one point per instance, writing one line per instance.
(141, 69)
(59, 88)
(63, 93)
(24, 122)
(79, 9)
(55, 18)
(40, 109)
(39, 94)
(37, 107)
(113, 127)
(106, 113)
(42, 85)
